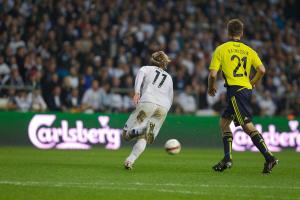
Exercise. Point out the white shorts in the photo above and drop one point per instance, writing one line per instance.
(144, 113)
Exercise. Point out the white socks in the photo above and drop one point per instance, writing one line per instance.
(137, 150)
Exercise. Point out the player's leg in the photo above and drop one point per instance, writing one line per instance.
(137, 150)
(136, 123)
(227, 137)
(155, 123)
(226, 119)
(136, 128)
(139, 146)
(259, 142)
(243, 114)
(128, 126)
(226, 162)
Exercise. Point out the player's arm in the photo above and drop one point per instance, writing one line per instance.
(214, 68)
(137, 86)
(260, 69)
(212, 77)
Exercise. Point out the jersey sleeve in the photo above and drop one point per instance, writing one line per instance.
(171, 93)
(139, 80)
(216, 60)
(256, 62)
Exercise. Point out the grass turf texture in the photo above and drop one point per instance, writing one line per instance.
(27, 173)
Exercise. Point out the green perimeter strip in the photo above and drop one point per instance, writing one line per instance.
(190, 130)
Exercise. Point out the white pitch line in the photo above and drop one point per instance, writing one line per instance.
(109, 186)
(119, 186)
(220, 186)
(156, 184)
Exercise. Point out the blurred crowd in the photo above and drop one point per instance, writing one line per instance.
(83, 55)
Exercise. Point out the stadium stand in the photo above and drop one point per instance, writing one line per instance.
(82, 56)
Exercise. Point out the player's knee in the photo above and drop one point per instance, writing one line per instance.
(249, 128)
(225, 125)
(125, 135)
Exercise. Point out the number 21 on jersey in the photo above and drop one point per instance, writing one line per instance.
(239, 64)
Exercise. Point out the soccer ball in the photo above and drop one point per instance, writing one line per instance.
(172, 146)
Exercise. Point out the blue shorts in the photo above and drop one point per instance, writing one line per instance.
(238, 105)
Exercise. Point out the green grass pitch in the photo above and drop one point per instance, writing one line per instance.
(27, 173)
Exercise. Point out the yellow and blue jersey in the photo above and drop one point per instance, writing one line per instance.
(235, 59)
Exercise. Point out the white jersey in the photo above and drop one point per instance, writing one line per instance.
(155, 86)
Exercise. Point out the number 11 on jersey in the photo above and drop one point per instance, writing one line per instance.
(156, 77)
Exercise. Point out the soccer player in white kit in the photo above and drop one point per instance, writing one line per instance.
(153, 99)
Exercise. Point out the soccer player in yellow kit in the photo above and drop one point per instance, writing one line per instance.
(235, 59)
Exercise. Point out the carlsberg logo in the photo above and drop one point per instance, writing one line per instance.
(43, 136)
(274, 139)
